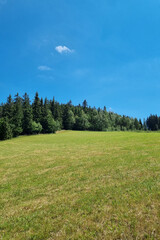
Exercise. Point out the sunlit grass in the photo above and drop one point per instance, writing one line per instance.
(80, 185)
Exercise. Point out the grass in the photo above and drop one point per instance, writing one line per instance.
(80, 185)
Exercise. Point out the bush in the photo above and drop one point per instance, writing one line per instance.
(49, 124)
(36, 127)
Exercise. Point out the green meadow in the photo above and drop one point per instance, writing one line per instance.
(80, 185)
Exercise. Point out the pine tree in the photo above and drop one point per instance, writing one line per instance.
(85, 105)
(52, 107)
(105, 109)
(68, 118)
(48, 123)
(136, 124)
(152, 122)
(18, 116)
(140, 125)
(144, 125)
(37, 109)
(1, 110)
(45, 107)
(8, 109)
(27, 115)
(58, 114)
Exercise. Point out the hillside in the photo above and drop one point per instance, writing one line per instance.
(80, 185)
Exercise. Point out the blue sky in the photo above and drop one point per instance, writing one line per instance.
(105, 51)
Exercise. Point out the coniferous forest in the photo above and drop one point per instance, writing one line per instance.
(19, 116)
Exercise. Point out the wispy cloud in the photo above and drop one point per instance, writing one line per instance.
(63, 49)
(44, 68)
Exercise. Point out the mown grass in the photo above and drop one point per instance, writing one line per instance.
(80, 185)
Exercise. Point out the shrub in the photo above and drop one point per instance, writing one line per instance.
(36, 127)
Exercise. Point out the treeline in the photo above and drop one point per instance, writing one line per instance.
(19, 116)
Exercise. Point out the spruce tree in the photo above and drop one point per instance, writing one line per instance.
(8, 109)
(144, 125)
(68, 118)
(18, 116)
(48, 123)
(140, 125)
(37, 109)
(27, 115)
(58, 114)
(136, 124)
(52, 107)
(1, 110)
(41, 106)
(85, 105)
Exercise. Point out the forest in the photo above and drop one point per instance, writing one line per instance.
(20, 116)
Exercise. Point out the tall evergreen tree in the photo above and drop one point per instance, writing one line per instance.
(48, 123)
(41, 106)
(37, 114)
(68, 118)
(140, 125)
(27, 115)
(17, 116)
(1, 110)
(136, 124)
(8, 109)
(58, 114)
(52, 107)
(85, 105)
(152, 122)
(144, 125)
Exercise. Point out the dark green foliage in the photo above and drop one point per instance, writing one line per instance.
(5, 129)
(58, 114)
(99, 121)
(49, 124)
(81, 121)
(136, 124)
(8, 109)
(140, 125)
(1, 110)
(145, 125)
(85, 105)
(27, 115)
(153, 122)
(37, 109)
(68, 117)
(19, 116)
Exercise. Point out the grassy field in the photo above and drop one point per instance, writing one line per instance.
(80, 185)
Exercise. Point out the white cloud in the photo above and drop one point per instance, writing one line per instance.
(44, 68)
(63, 49)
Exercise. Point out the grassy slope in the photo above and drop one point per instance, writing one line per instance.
(80, 185)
